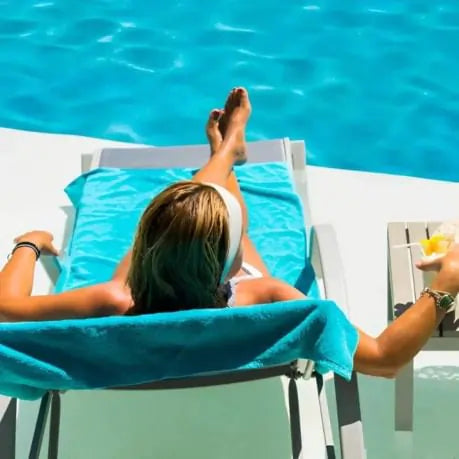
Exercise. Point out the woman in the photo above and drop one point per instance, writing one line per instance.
(192, 248)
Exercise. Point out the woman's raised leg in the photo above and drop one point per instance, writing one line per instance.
(216, 130)
(226, 134)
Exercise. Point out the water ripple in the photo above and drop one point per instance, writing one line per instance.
(370, 86)
(43, 5)
(17, 27)
(228, 28)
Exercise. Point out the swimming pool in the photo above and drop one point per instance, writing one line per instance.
(370, 86)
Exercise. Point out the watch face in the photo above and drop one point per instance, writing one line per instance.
(446, 301)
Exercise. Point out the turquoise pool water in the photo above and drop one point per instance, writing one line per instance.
(370, 85)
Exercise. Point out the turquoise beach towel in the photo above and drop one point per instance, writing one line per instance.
(114, 351)
(119, 351)
(109, 203)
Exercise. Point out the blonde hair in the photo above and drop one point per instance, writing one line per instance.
(179, 250)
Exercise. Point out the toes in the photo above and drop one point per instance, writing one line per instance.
(233, 97)
(223, 122)
(242, 95)
(213, 128)
(241, 92)
(214, 117)
(230, 101)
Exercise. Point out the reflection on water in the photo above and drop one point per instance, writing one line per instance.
(443, 373)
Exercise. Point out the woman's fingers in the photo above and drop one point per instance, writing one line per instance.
(430, 265)
(42, 239)
(49, 249)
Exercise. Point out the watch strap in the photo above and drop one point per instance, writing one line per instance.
(443, 300)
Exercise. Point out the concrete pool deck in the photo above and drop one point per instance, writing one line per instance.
(35, 168)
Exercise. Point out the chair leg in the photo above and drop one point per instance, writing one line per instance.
(404, 399)
(8, 408)
(295, 423)
(349, 418)
(308, 439)
(40, 426)
(326, 423)
(54, 425)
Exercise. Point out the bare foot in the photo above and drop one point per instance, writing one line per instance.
(213, 133)
(233, 122)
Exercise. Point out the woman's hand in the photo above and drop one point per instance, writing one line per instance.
(42, 239)
(447, 267)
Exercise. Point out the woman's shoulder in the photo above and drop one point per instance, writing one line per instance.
(264, 290)
(252, 291)
(115, 295)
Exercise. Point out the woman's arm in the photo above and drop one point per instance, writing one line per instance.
(397, 344)
(403, 338)
(122, 270)
(407, 335)
(98, 300)
(16, 280)
(400, 341)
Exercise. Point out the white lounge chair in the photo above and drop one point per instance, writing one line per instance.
(328, 271)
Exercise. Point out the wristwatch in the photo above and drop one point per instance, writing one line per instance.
(443, 300)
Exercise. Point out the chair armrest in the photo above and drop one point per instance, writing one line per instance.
(329, 270)
(328, 266)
